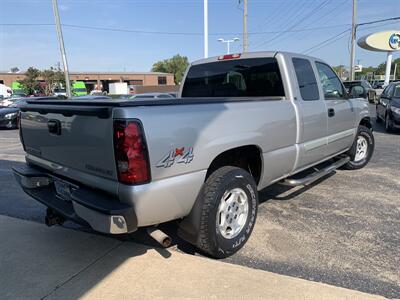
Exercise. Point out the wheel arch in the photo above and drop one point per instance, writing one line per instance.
(366, 121)
(248, 157)
(251, 159)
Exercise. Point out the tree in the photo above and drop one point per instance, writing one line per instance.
(14, 70)
(176, 65)
(52, 77)
(30, 84)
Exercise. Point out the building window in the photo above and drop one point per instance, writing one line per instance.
(162, 80)
(136, 82)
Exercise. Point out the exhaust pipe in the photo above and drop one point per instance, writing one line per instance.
(163, 239)
(53, 218)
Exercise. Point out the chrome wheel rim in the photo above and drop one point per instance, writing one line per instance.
(232, 213)
(362, 148)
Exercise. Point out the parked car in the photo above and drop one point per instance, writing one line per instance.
(366, 92)
(98, 93)
(17, 88)
(152, 96)
(79, 89)
(9, 101)
(5, 91)
(388, 107)
(378, 84)
(60, 92)
(242, 123)
(9, 117)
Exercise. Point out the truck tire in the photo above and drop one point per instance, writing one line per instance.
(229, 211)
(362, 149)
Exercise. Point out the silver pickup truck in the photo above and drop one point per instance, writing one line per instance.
(241, 123)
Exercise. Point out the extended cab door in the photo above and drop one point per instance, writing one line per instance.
(340, 113)
(312, 141)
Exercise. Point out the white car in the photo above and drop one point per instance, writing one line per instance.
(5, 91)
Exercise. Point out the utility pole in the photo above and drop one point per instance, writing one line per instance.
(353, 39)
(245, 33)
(62, 48)
(205, 28)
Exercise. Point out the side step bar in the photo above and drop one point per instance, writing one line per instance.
(316, 175)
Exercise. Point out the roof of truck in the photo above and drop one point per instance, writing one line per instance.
(259, 54)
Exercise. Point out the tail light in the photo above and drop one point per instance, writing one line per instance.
(131, 154)
(229, 56)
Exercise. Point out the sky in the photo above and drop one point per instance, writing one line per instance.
(130, 35)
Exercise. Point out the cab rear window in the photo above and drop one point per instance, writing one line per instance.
(255, 77)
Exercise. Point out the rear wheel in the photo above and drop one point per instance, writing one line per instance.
(362, 149)
(228, 213)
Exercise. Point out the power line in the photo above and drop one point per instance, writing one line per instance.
(293, 16)
(320, 6)
(328, 41)
(379, 21)
(325, 41)
(74, 26)
(325, 15)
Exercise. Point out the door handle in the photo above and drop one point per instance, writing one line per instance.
(54, 127)
(331, 112)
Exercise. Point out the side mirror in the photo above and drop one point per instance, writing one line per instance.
(357, 92)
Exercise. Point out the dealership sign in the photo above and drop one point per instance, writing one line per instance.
(381, 41)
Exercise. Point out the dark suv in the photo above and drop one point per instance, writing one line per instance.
(388, 107)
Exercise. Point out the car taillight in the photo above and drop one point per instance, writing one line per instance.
(229, 56)
(131, 154)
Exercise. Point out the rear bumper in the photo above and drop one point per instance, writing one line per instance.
(102, 212)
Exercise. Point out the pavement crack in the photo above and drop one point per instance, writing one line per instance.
(80, 271)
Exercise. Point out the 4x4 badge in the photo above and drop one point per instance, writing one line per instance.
(177, 155)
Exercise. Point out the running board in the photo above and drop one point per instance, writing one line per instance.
(316, 175)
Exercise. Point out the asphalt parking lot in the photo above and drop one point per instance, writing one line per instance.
(344, 230)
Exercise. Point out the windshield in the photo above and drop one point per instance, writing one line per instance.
(255, 77)
(80, 90)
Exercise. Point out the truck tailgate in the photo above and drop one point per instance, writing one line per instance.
(73, 137)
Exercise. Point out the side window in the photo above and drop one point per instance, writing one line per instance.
(331, 84)
(396, 91)
(385, 92)
(306, 79)
(390, 91)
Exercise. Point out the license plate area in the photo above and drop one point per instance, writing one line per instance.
(63, 189)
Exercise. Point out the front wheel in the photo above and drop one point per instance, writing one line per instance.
(229, 211)
(362, 149)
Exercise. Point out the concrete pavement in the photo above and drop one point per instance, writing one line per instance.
(37, 262)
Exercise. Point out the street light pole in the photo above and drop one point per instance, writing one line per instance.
(353, 39)
(245, 33)
(228, 43)
(205, 28)
(62, 47)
